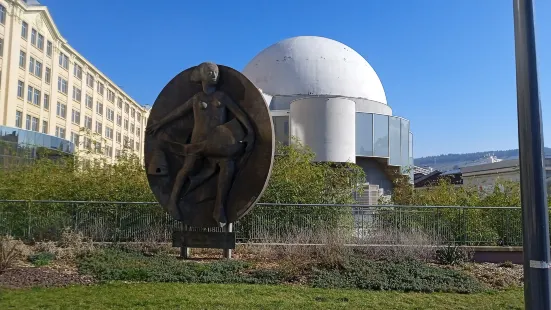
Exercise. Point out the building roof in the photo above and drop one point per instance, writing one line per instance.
(315, 66)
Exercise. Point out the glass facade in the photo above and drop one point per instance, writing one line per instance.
(281, 129)
(364, 138)
(20, 146)
(376, 136)
(385, 136)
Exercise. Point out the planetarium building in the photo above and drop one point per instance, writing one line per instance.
(328, 96)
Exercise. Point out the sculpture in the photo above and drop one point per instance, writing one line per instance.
(217, 141)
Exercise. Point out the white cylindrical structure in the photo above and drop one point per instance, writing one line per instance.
(327, 126)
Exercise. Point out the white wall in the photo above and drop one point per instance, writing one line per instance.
(327, 126)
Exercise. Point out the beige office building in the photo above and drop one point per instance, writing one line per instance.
(46, 86)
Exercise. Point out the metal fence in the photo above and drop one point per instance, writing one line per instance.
(270, 223)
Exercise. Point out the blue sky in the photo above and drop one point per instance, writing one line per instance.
(448, 65)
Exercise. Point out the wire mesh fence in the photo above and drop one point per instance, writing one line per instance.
(268, 223)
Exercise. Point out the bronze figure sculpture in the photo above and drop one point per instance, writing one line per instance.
(208, 132)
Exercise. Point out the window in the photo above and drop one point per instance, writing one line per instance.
(75, 138)
(131, 144)
(101, 88)
(38, 69)
(98, 147)
(88, 122)
(31, 64)
(109, 133)
(117, 153)
(110, 95)
(1, 46)
(133, 112)
(132, 128)
(28, 122)
(33, 36)
(99, 108)
(110, 114)
(89, 102)
(137, 146)
(60, 132)
(24, 30)
(126, 124)
(75, 117)
(2, 14)
(139, 116)
(40, 43)
(118, 137)
(48, 75)
(87, 143)
(125, 141)
(22, 59)
(34, 124)
(108, 151)
(61, 110)
(119, 119)
(18, 118)
(62, 85)
(44, 126)
(126, 107)
(46, 102)
(99, 127)
(30, 93)
(138, 132)
(20, 87)
(77, 94)
(64, 61)
(77, 71)
(89, 80)
(49, 48)
(36, 98)
(119, 102)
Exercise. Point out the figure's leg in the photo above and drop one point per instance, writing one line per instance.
(180, 180)
(184, 149)
(225, 180)
(209, 168)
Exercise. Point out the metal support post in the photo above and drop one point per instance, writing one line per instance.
(532, 173)
(228, 229)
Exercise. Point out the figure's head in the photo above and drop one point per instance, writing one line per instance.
(206, 72)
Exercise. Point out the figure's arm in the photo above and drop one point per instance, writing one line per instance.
(239, 114)
(244, 120)
(171, 116)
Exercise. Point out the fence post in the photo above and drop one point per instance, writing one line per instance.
(29, 220)
(438, 226)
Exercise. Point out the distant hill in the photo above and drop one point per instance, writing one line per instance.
(451, 161)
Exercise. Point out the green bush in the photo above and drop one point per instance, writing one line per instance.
(471, 226)
(407, 275)
(452, 255)
(41, 259)
(404, 275)
(295, 179)
(114, 264)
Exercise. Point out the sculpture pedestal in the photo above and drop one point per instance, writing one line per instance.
(187, 238)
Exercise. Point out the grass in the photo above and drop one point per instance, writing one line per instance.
(118, 295)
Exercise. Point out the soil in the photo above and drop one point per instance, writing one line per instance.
(495, 276)
(50, 276)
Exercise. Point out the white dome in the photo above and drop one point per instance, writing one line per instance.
(314, 66)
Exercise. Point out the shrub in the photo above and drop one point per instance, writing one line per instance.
(407, 275)
(297, 179)
(115, 264)
(11, 251)
(453, 255)
(41, 259)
